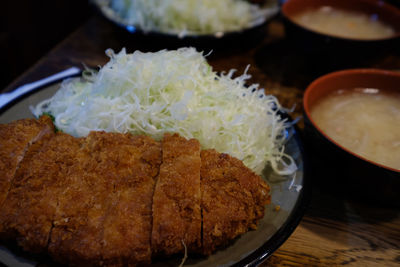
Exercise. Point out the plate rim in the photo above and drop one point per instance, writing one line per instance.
(34, 90)
(266, 250)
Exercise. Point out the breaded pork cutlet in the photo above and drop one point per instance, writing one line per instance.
(104, 214)
(176, 201)
(15, 139)
(233, 199)
(127, 227)
(115, 199)
(28, 211)
(82, 203)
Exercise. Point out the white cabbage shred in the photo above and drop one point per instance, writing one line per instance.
(190, 16)
(175, 91)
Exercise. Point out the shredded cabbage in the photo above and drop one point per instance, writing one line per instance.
(175, 91)
(190, 16)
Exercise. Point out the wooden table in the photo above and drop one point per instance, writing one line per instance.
(336, 229)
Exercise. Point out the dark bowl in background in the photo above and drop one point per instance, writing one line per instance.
(316, 42)
(337, 168)
(221, 42)
(229, 42)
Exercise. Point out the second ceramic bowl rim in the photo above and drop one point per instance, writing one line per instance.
(378, 3)
(342, 73)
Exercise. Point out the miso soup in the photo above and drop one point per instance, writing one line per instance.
(344, 23)
(366, 121)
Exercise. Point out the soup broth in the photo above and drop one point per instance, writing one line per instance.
(344, 23)
(366, 121)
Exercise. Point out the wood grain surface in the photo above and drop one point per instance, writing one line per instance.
(339, 227)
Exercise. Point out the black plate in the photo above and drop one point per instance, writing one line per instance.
(251, 248)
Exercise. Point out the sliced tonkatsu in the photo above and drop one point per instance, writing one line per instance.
(81, 209)
(15, 139)
(29, 209)
(176, 201)
(104, 216)
(87, 201)
(113, 199)
(233, 199)
(133, 165)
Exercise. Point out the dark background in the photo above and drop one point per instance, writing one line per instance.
(29, 29)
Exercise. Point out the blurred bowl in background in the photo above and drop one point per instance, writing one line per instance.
(340, 167)
(175, 38)
(349, 17)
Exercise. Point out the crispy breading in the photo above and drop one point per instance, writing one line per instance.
(15, 138)
(80, 212)
(176, 201)
(114, 199)
(233, 199)
(104, 214)
(28, 211)
(127, 227)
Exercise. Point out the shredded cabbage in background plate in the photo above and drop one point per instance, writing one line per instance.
(187, 17)
(175, 91)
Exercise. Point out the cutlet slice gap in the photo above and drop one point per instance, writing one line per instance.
(233, 199)
(15, 139)
(176, 200)
(30, 208)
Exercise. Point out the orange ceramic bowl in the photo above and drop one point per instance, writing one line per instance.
(352, 170)
(310, 40)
